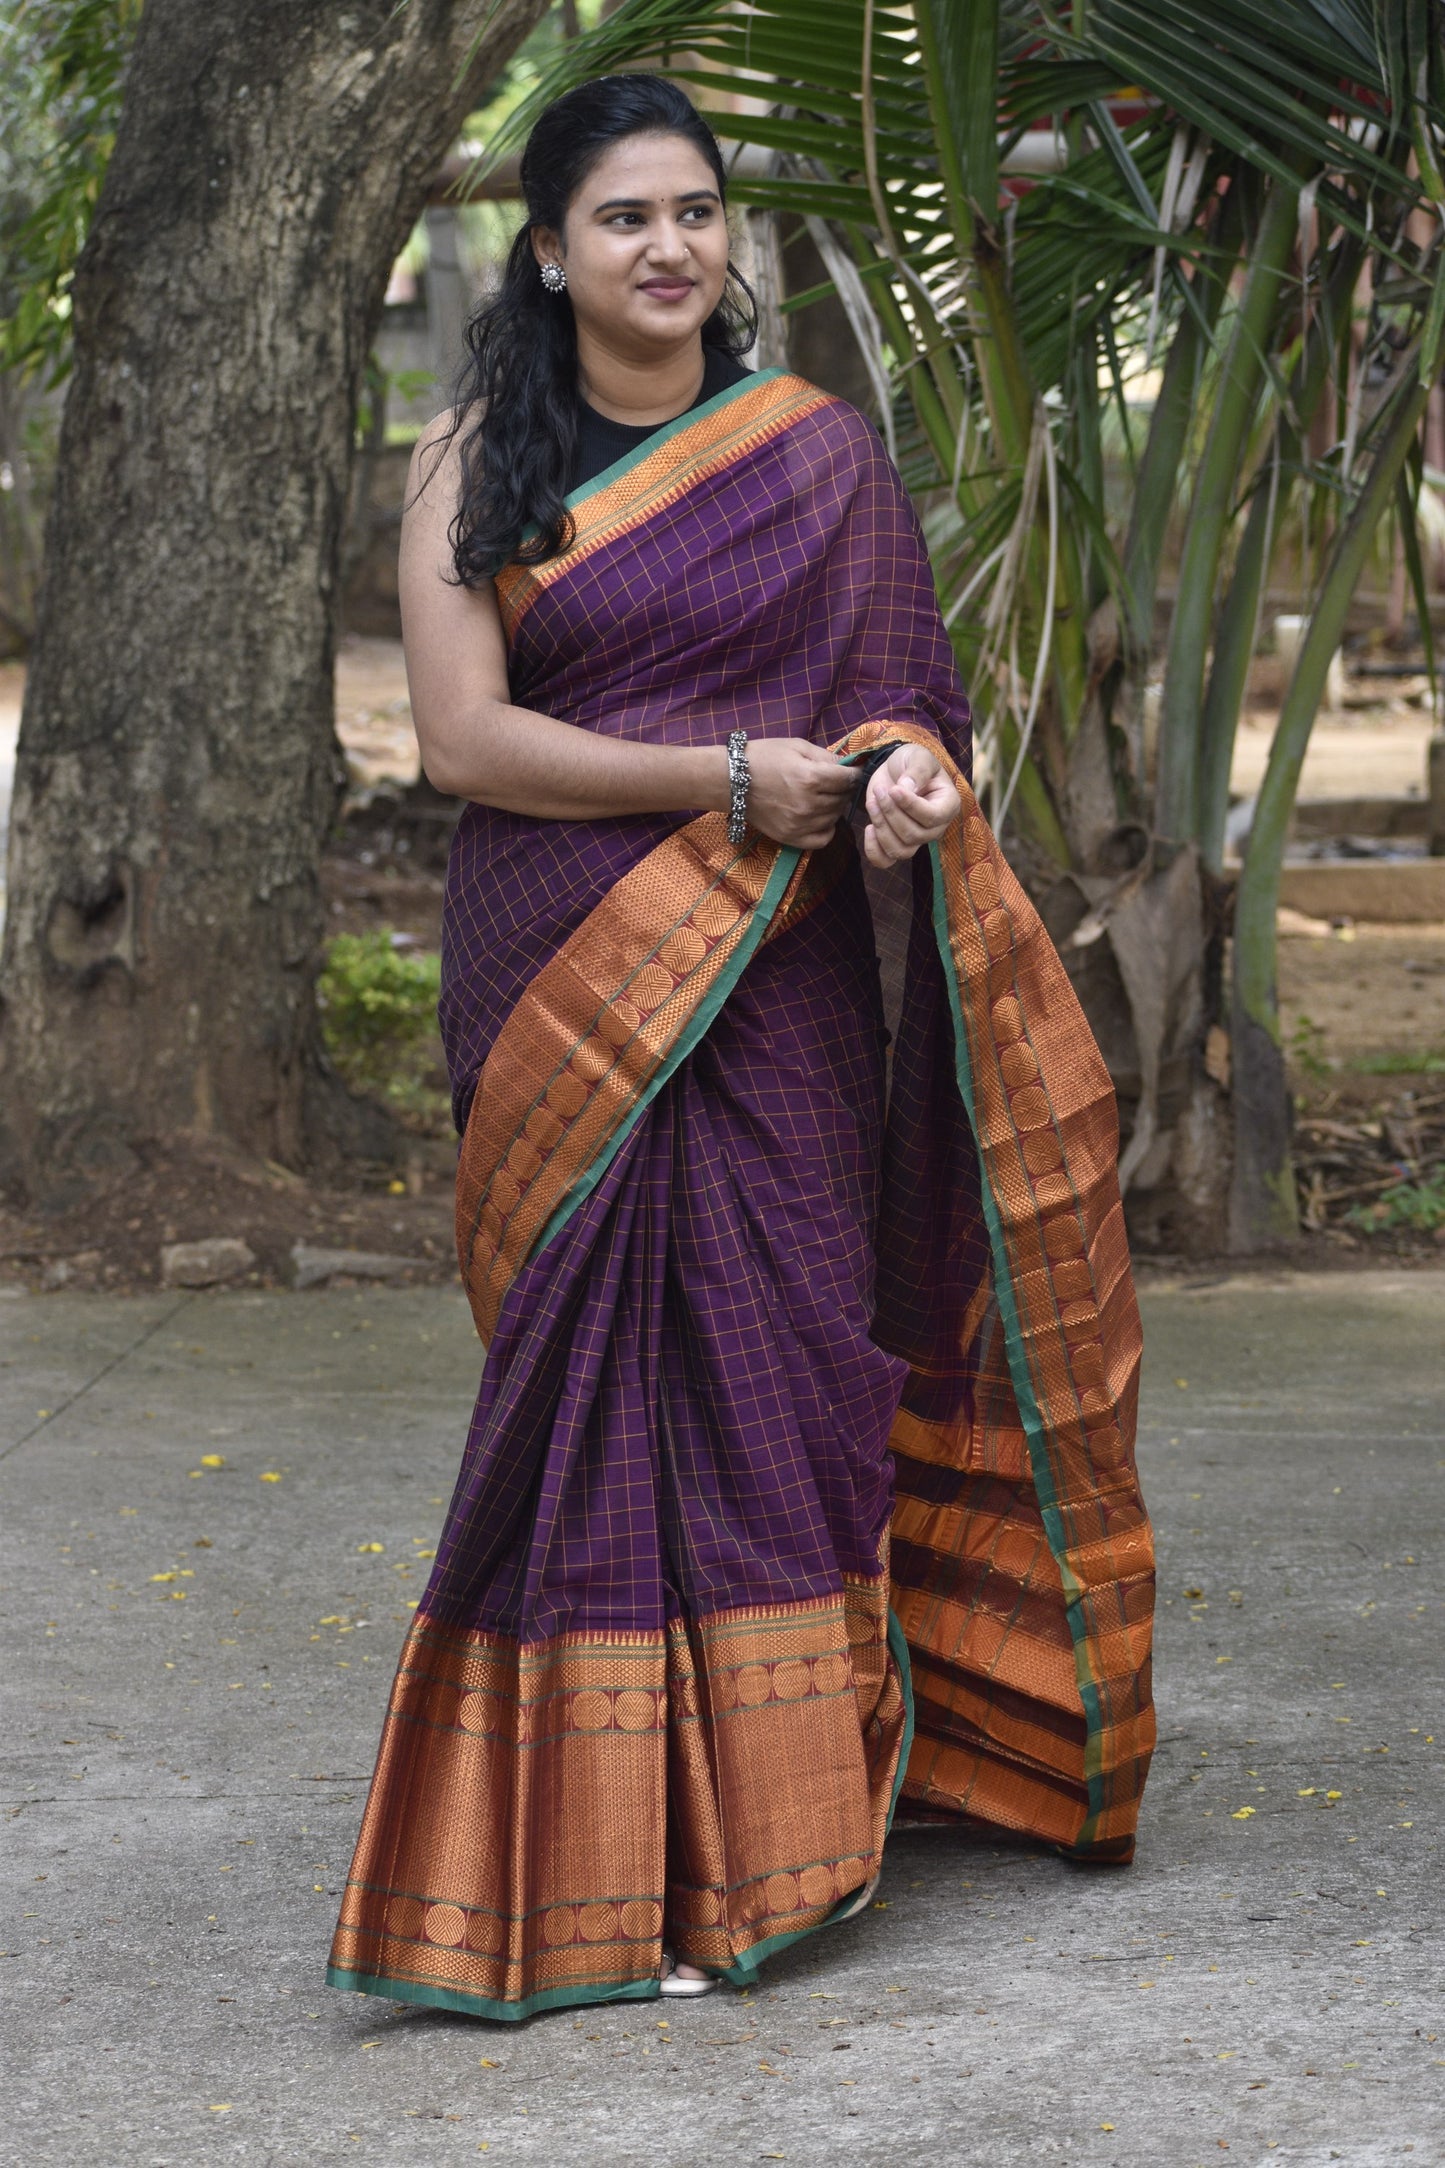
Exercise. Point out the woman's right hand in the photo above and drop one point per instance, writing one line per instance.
(798, 793)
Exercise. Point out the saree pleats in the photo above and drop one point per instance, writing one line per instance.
(801, 1477)
(665, 1566)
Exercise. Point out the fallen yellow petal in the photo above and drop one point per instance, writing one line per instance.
(270, 1475)
(213, 1460)
(220, 2107)
(1307, 1793)
(488, 2064)
(371, 1546)
(1242, 1814)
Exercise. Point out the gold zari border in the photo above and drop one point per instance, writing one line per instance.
(516, 1839)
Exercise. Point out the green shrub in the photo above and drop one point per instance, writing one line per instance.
(378, 1017)
(1417, 1205)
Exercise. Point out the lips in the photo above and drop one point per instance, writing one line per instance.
(667, 289)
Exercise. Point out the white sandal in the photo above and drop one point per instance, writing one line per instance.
(671, 1984)
(864, 1897)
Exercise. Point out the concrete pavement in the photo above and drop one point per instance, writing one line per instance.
(199, 1629)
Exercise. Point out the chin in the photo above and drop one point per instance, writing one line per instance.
(662, 325)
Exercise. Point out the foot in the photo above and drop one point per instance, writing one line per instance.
(863, 1898)
(684, 1979)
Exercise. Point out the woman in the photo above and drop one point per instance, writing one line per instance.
(670, 630)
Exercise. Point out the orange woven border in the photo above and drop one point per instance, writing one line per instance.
(685, 457)
(489, 1741)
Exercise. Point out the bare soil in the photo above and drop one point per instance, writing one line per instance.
(191, 1188)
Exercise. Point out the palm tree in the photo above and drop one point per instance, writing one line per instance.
(1233, 208)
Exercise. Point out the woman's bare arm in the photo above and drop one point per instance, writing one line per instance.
(476, 744)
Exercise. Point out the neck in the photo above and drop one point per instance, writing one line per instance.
(625, 389)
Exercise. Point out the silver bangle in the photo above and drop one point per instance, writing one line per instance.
(739, 781)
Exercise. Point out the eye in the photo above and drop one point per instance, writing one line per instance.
(699, 213)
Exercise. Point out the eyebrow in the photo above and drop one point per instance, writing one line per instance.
(642, 203)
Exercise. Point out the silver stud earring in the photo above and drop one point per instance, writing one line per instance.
(554, 278)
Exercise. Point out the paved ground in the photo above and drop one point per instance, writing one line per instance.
(196, 1664)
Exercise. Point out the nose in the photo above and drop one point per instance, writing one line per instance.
(667, 243)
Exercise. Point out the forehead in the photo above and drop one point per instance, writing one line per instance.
(650, 168)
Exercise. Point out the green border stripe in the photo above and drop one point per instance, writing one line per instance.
(456, 1998)
(692, 1033)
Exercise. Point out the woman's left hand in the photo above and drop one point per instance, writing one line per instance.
(910, 803)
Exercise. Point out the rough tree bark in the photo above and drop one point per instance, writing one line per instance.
(178, 767)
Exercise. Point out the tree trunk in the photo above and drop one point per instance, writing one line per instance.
(178, 768)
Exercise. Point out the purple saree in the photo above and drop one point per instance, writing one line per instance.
(731, 1273)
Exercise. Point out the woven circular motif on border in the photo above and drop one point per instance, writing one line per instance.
(1107, 1446)
(635, 1710)
(714, 913)
(404, 1916)
(523, 1159)
(791, 1681)
(651, 985)
(567, 1094)
(983, 885)
(683, 951)
(818, 1884)
(591, 1710)
(830, 1674)
(543, 1129)
(1007, 1019)
(618, 1022)
(597, 1923)
(560, 1924)
(446, 1924)
(641, 1919)
(484, 1932)
(975, 840)
(475, 1712)
(782, 1893)
(592, 1059)
(754, 1685)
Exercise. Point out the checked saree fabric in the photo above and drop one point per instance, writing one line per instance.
(801, 1477)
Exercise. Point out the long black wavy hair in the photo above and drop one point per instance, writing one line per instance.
(518, 388)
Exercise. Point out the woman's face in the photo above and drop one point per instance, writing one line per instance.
(644, 246)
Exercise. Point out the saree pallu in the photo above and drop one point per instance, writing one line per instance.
(801, 1476)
